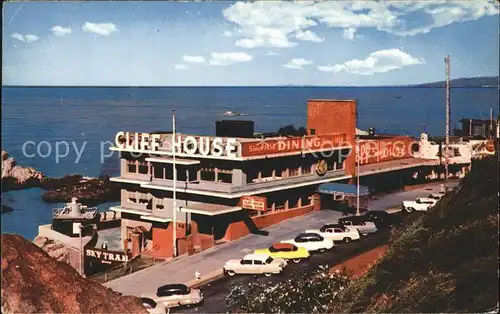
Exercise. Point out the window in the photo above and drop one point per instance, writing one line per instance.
(158, 172)
(338, 230)
(257, 262)
(329, 230)
(143, 167)
(269, 260)
(306, 168)
(131, 166)
(294, 172)
(208, 174)
(159, 204)
(225, 177)
(246, 262)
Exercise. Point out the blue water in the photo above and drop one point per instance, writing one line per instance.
(94, 115)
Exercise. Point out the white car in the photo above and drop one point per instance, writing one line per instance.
(255, 264)
(311, 241)
(172, 295)
(420, 204)
(337, 232)
(364, 226)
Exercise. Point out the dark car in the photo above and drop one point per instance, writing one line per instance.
(382, 218)
(152, 307)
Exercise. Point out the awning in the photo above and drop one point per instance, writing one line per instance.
(342, 189)
(209, 209)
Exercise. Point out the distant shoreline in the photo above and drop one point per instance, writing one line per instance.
(254, 86)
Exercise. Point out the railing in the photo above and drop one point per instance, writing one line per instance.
(228, 188)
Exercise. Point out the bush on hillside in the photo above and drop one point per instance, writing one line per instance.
(447, 261)
(304, 292)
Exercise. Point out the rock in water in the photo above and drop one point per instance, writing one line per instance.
(6, 209)
(17, 177)
(33, 282)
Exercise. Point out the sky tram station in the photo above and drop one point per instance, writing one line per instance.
(239, 181)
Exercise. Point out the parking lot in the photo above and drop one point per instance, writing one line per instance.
(215, 293)
(209, 263)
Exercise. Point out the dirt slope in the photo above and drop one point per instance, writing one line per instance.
(33, 282)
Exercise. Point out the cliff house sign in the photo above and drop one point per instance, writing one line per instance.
(188, 145)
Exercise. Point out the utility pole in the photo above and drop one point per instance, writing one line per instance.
(491, 124)
(357, 175)
(80, 227)
(447, 140)
(174, 197)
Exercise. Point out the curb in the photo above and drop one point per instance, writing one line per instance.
(211, 276)
(392, 210)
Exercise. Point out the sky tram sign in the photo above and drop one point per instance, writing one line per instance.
(106, 257)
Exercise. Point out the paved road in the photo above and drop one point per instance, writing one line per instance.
(182, 271)
(209, 262)
(215, 292)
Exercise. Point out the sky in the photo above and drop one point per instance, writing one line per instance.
(326, 43)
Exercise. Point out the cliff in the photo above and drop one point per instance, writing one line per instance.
(33, 282)
(16, 177)
(446, 261)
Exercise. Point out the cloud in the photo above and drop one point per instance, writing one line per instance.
(181, 67)
(377, 62)
(60, 30)
(104, 29)
(271, 53)
(29, 38)
(273, 23)
(308, 36)
(228, 33)
(297, 64)
(228, 58)
(194, 59)
(349, 33)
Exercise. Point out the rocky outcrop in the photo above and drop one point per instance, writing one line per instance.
(54, 249)
(6, 209)
(18, 177)
(89, 191)
(33, 282)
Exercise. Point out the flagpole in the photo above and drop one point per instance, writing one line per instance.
(357, 175)
(174, 197)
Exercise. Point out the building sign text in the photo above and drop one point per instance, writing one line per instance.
(296, 144)
(373, 151)
(107, 257)
(183, 145)
(254, 203)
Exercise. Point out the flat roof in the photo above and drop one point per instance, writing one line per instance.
(209, 209)
(391, 165)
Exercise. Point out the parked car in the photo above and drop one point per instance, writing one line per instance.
(311, 241)
(173, 295)
(286, 251)
(437, 195)
(420, 204)
(359, 222)
(153, 307)
(337, 232)
(381, 218)
(255, 264)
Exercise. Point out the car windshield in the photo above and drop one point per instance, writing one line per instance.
(269, 260)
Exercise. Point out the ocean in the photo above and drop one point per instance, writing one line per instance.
(87, 119)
